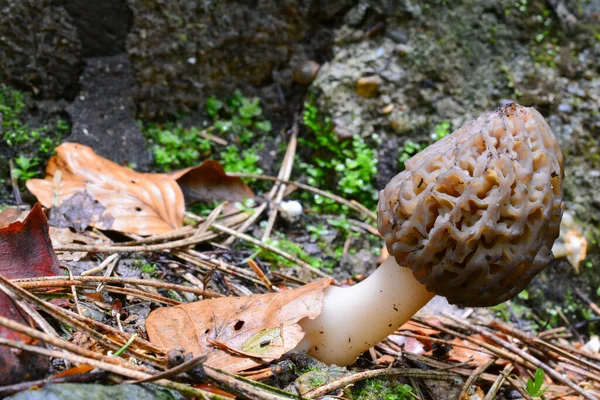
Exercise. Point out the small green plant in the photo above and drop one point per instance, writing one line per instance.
(239, 117)
(24, 169)
(146, 267)
(534, 386)
(410, 149)
(176, 147)
(440, 130)
(236, 160)
(15, 132)
(349, 165)
(291, 248)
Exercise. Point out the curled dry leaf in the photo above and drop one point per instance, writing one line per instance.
(143, 204)
(238, 333)
(25, 252)
(209, 182)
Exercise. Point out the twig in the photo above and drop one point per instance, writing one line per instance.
(211, 264)
(473, 377)
(261, 275)
(284, 174)
(63, 344)
(108, 272)
(517, 384)
(353, 205)
(245, 388)
(585, 298)
(180, 369)
(30, 311)
(126, 345)
(491, 394)
(406, 372)
(32, 283)
(14, 183)
(85, 324)
(102, 265)
(548, 348)
(73, 290)
(247, 223)
(137, 293)
(493, 349)
(265, 246)
(116, 369)
(537, 363)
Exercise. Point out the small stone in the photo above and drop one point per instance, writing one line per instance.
(397, 36)
(290, 210)
(387, 109)
(565, 108)
(368, 86)
(402, 50)
(342, 132)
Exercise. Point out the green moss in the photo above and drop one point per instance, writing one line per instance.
(382, 389)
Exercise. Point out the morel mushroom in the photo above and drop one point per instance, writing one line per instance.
(473, 218)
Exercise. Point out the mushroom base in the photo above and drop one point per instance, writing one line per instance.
(356, 318)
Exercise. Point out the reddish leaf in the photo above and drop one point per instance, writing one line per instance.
(25, 251)
(238, 332)
(209, 182)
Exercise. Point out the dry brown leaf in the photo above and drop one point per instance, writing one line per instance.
(143, 204)
(209, 182)
(419, 329)
(462, 354)
(8, 216)
(238, 332)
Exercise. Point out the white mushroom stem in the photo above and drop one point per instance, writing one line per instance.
(356, 318)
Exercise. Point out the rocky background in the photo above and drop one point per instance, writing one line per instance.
(396, 68)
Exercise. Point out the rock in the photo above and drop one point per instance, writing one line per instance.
(102, 26)
(397, 35)
(565, 108)
(368, 86)
(39, 48)
(235, 44)
(402, 50)
(306, 72)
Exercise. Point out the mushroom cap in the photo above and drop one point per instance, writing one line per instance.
(475, 214)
